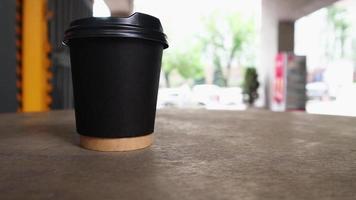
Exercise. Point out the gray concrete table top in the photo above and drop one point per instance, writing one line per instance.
(197, 154)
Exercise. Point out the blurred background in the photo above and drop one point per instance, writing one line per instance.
(280, 55)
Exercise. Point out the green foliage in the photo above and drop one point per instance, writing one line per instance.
(228, 34)
(337, 20)
(242, 32)
(337, 17)
(186, 62)
(251, 85)
(225, 40)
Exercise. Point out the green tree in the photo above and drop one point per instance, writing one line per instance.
(225, 39)
(186, 62)
(339, 25)
(168, 65)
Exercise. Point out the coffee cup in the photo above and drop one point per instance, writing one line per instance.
(116, 63)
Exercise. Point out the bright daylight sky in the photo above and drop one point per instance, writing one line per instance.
(181, 19)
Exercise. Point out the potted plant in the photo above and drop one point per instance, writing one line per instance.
(250, 85)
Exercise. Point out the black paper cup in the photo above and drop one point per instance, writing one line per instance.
(115, 71)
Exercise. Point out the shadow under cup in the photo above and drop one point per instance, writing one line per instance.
(116, 66)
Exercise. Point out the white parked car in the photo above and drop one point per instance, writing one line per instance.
(206, 94)
(178, 97)
(317, 90)
(231, 96)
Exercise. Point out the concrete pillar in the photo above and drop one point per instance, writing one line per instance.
(286, 36)
(268, 49)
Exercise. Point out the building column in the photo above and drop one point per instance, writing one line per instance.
(286, 36)
(268, 49)
(35, 62)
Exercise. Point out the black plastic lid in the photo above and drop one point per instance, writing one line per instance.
(138, 25)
